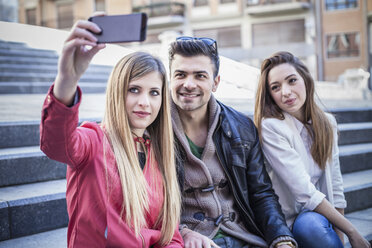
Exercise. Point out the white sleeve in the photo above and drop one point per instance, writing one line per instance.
(337, 182)
(287, 163)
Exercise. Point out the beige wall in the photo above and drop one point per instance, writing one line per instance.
(116, 7)
(49, 13)
(344, 21)
(83, 9)
(21, 12)
(369, 5)
(47, 10)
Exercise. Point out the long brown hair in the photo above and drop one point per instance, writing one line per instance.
(320, 128)
(116, 123)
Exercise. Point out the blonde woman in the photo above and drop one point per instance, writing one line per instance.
(299, 141)
(122, 188)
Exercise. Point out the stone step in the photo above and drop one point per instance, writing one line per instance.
(23, 165)
(28, 68)
(358, 190)
(362, 220)
(12, 44)
(28, 60)
(355, 133)
(355, 157)
(23, 133)
(19, 134)
(56, 238)
(93, 69)
(43, 87)
(24, 47)
(47, 77)
(34, 53)
(352, 115)
(32, 208)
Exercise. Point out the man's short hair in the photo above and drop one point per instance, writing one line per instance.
(192, 46)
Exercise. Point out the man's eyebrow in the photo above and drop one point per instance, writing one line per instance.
(198, 72)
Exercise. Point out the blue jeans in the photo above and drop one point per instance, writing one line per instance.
(311, 229)
(230, 242)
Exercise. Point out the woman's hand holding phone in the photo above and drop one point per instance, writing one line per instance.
(75, 59)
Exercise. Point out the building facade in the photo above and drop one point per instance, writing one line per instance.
(330, 36)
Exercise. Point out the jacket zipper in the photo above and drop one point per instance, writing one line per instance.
(233, 188)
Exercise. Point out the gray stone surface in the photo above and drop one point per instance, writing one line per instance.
(25, 133)
(362, 221)
(358, 190)
(47, 77)
(355, 157)
(27, 60)
(26, 191)
(51, 239)
(4, 221)
(34, 208)
(27, 165)
(355, 133)
(19, 107)
(37, 214)
(29, 53)
(347, 114)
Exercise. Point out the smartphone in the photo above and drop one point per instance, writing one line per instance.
(121, 28)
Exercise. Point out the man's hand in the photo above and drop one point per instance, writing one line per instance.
(196, 240)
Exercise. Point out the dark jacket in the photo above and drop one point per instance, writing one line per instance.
(238, 149)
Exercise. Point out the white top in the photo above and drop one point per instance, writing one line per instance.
(296, 178)
(313, 168)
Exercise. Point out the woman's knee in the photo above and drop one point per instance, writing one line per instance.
(310, 220)
(311, 229)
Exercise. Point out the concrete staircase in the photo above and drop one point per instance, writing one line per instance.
(28, 70)
(32, 187)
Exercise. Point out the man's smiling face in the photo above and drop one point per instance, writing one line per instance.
(192, 82)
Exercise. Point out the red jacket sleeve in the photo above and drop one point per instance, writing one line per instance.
(176, 241)
(60, 138)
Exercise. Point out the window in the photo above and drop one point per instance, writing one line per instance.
(343, 45)
(225, 37)
(278, 32)
(152, 38)
(65, 15)
(227, 1)
(340, 4)
(200, 3)
(31, 16)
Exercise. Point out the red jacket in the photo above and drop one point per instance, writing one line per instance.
(94, 195)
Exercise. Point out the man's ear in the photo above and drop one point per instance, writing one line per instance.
(216, 82)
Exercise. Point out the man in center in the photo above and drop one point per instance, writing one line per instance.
(228, 200)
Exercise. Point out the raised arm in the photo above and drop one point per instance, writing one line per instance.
(75, 59)
(59, 137)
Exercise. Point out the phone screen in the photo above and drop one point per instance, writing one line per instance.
(121, 28)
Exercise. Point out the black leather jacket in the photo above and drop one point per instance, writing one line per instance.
(238, 149)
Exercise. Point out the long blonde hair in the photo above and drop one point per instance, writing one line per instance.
(265, 107)
(116, 123)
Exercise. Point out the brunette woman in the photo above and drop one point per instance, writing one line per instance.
(299, 141)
